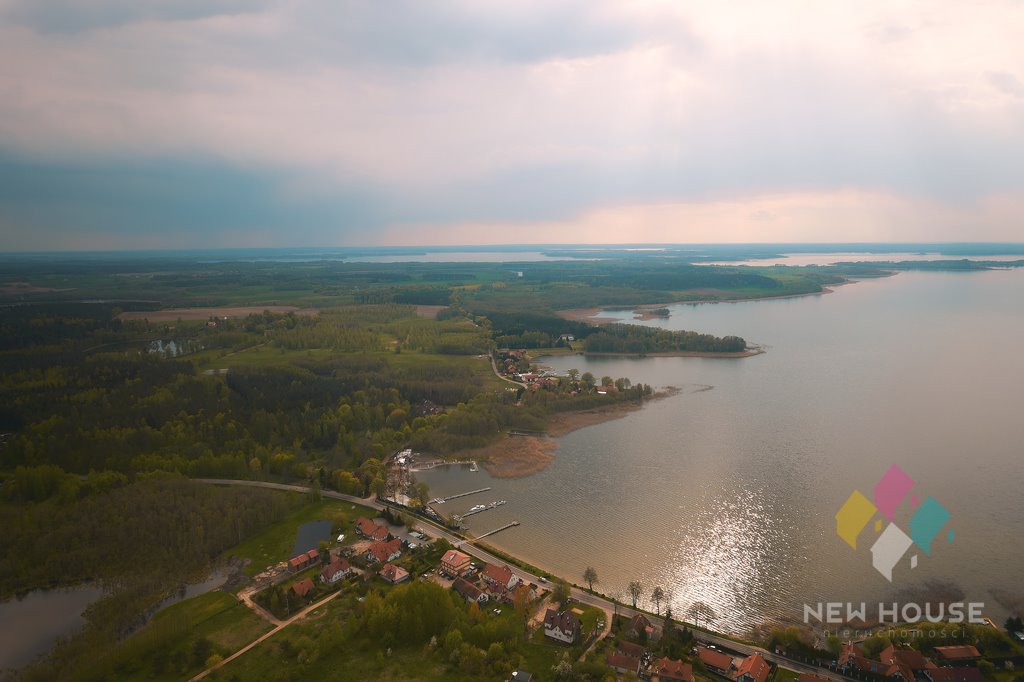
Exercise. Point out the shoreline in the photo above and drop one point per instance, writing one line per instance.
(590, 315)
(521, 456)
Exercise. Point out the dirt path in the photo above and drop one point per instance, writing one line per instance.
(282, 625)
(498, 374)
(246, 597)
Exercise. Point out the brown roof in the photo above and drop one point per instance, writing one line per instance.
(563, 620)
(910, 658)
(336, 566)
(467, 589)
(454, 557)
(674, 669)
(498, 574)
(393, 574)
(957, 652)
(630, 649)
(960, 674)
(313, 554)
(755, 666)
(714, 659)
(383, 551)
(303, 587)
(623, 662)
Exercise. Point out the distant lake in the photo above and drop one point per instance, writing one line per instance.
(727, 495)
(464, 257)
(831, 258)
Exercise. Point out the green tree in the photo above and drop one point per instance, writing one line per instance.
(560, 592)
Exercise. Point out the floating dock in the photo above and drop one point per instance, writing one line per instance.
(479, 508)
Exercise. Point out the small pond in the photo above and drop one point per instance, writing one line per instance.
(310, 535)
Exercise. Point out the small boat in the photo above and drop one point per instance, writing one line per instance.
(479, 507)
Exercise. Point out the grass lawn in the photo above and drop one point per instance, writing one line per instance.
(171, 645)
(275, 543)
(785, 675)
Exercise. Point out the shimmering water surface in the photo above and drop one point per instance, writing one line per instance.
(726, 496)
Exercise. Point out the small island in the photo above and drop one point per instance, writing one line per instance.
(651, 313)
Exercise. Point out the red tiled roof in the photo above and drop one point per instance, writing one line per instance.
(303, 587)
(755, 666)
(336, 566)
(383, 551)
(499, 574)
(674, 669)
(714, 659)
(454, 557)
(393, 574)
(957, 652)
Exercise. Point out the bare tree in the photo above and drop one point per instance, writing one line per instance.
(657, 596)
(635, 589)
(590, 575)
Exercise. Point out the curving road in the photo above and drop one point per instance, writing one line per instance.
(579, 595)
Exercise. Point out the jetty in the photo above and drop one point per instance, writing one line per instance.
(497, 530)
(479, 508)
(442, 500)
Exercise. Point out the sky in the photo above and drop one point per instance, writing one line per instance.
(130, 124)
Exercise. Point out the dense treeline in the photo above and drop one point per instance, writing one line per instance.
(141, 538)
(628, 338)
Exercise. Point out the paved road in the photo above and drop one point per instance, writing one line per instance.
(579, 595)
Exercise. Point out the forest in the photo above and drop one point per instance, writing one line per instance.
(630, 338)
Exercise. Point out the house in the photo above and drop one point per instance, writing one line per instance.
(500, 576)
(852, 658)
(520, 676)
(528, 592)
(335, 571)
(958, 674)
(642, 628)
(371, 530)
(672, 670)
(382, 552)
(303, 587)
(455, 563)
(393, 574)
(715, 661)
(630, 649)
(904, 663)
(469, 591)
(957, 653)
(566, 337)
(753, 668)
(562, 626)
(622, 663)
(303, 561)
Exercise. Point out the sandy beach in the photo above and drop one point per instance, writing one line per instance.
(518, 456)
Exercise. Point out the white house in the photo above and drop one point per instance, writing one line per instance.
(562, 626)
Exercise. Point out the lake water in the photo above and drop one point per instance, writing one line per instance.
(830, 258)
(310, 534)
(727, 495)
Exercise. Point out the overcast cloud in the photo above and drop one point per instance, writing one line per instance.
(135, 123)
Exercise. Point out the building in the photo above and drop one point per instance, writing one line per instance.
(371, 530)
(622, 663)
(382, 552)
(630, 649)
(957, 653)
(715, 661)
(303, 588)
(562, 626)
(904, 663)
(469, 591)
(643, 629)
(958, 674)
(335, 571)
(500, 576)
(393, 574)
(520, 676)
(852, 658)
(455, 563)
(303, 561)
(672, 670)
(753, 668)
